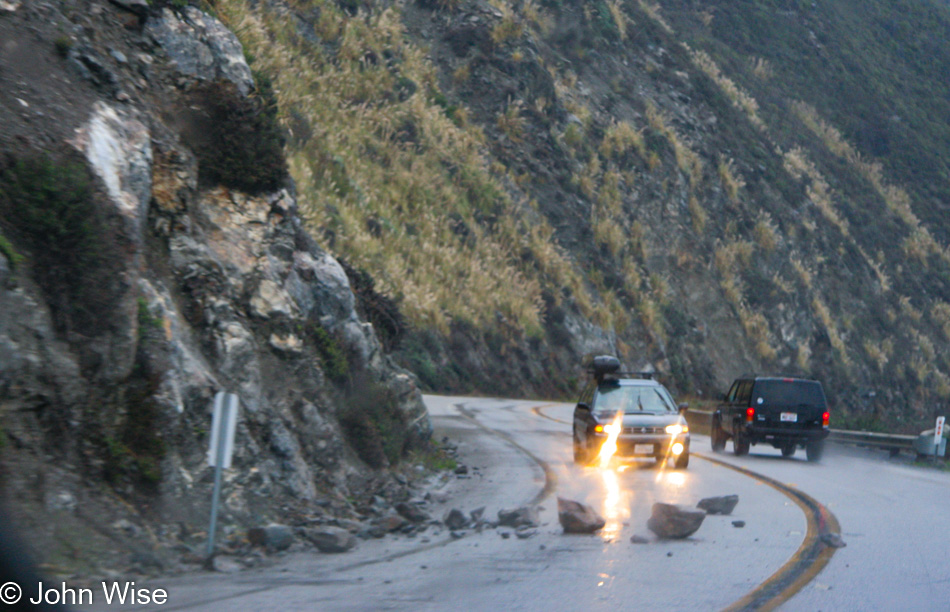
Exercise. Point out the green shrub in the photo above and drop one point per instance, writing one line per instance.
(6, 248)
(146, 318)
(373, 424)
(63, 45)
(434, 457)
(133, 447)
(237, 139)
(48, 208)
(335, 364)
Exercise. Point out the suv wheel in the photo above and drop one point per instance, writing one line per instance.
(788, 449)
(740, 444)
(813, 450)
(682, 461)
(581, 454)
(718, 436)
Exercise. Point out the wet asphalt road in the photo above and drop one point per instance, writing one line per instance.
(894, 519)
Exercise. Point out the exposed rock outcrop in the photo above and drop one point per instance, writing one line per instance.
(203, 289)
(201, 47)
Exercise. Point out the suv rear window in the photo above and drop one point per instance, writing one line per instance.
(789, 393)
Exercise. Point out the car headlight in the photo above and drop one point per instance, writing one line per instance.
(677, 429)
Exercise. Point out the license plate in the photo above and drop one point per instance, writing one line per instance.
(789, 417)
(644, 449)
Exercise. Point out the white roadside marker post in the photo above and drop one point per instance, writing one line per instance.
(223, 426)
(938, 434)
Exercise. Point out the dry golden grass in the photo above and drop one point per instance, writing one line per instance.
(610, 196)
(877, 267)
(941, 385)
(631, 276)
(739, 98)
(733, 255)
(756, 327)
(761, 68)
(653, 12)
(619, 17)
(652, 318)
(765, 232)
(908, 310)
(803, 271)
(940, 314)
(509, 27)
(511, 122)
(803, 357)
(876, 354)
(619, 138)
(686, 159)
(371, 155)
(638, 243)
(819, 192)
(589, 178)
(732, 290)
(538, 17)
(462, 74)
(731, 180)
(697, 214)
(608, 234)
(837, 342)
(920, 243)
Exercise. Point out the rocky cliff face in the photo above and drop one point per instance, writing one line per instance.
(133, 287)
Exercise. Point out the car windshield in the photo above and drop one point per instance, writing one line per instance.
(787, 393)
(634, 399)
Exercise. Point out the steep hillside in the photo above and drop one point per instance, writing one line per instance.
(703, 188)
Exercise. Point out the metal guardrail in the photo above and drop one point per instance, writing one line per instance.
(895, 443)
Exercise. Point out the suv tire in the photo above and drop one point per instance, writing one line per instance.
(740, 444)
(718, 436)
(581, 453)
(682, 461)
(814, 450)
(788, 450)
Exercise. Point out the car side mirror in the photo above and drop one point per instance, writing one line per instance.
(583, 406)
(683, 408)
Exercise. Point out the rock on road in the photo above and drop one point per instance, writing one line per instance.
(893, 519)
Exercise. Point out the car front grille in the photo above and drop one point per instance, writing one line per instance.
(644, 430)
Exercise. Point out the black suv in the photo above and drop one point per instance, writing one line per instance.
(787, 413)
(651, 424)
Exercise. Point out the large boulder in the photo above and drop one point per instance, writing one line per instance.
(455, 519)
(674, 522)
(273, 537)
(524, 516)
(412, 512)
(332, 539)
(723, 504)
(576, 517)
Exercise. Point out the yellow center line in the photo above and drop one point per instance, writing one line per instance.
(810, 558)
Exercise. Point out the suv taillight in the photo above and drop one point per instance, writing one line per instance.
(825, 417)
(749, 414)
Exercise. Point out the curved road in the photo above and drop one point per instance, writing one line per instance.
(893, 517)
